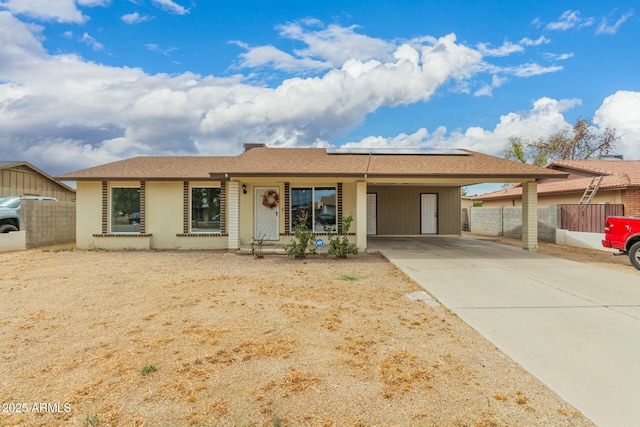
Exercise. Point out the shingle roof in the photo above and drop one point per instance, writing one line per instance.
(317, 162)
(151, 167)
(266, 161)
(617, 174)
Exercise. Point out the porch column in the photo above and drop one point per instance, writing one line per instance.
(530, 216)
(361, 215)
(233, 214)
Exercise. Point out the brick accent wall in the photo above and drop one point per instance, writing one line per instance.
(185, 207)
(105, 207)
(223, 207)
(631, 201)
(143, 207)
(287, 209)
(339, 207)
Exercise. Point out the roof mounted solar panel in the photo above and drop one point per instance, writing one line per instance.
(399, 151)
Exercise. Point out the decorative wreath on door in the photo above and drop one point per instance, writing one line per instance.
(270, 199)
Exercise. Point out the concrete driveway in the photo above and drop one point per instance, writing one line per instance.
(575, 327)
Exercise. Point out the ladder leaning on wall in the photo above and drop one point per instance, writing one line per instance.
(591, 190)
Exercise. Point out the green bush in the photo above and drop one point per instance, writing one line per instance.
(298, 247)
(339, 245)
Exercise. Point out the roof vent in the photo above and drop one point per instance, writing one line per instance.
(611, 157)
(248, 146)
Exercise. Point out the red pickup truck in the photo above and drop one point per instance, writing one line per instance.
(623, 233)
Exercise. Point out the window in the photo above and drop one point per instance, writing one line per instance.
(125, 210)
(205, 210)
(319, 205)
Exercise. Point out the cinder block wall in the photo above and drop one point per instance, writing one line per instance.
(512, 222)
(507, 221)
(486, 221)
(47, 222)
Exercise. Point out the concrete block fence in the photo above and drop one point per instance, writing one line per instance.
(507, 221)
(48, 223)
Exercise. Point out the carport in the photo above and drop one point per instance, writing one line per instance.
(417, 192)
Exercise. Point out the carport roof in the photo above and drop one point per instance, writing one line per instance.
(310, 162)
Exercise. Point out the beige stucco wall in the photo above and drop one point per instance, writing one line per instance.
(88, 213)
(601, 197)
(163, 213)
(163, 218)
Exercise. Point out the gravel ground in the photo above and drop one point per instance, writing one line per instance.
(213, 339)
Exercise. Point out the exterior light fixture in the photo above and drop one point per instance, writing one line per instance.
(244, 188)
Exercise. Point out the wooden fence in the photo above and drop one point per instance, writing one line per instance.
(587, 218)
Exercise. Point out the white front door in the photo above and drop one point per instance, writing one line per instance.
(266, 219)
(371, 213)
(429, 212)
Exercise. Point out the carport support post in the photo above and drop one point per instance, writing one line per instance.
(233, 212)
(530, 216)
(361, 215)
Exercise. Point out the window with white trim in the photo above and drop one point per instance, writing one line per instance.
(205, 210)
(125, 210)
(318, 203)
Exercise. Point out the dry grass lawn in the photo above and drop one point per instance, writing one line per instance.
(213, 339)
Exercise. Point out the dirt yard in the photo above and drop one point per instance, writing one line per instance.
(212, 339)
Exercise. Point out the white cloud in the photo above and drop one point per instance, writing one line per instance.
(262, 56)
(557, 57)
(414, 140)
(485, 90)
(135, 18)
(336, 44)
(506, 49)
(531, 69)
(90, 41)
(497, 81)
(56, 10)
(156, 48)
(544, 119)
(537, 42)
(606, 28)
(171, 7)
(326, 48)
(621, 111)
(569, 19)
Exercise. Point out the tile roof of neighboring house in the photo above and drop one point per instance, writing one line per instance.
(264, 161)
(617, 174)
(629, 169)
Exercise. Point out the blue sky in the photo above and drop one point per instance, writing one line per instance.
(85, 82)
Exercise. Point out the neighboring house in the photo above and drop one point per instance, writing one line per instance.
(158, 202)
(620, 185)
(24, 179)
